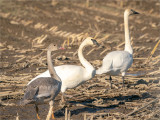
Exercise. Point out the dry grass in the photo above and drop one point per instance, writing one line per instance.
(19, 65)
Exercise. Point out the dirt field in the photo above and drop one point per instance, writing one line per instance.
(28, 27)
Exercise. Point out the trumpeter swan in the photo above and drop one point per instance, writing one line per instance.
(117, 62)
(74, 75)
(44, 89)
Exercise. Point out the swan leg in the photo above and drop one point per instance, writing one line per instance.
(37, 110)
(53, 114)
(123, 81)
(62, 98)
(110, 78)
(64, 95)
(123, 74)
(62, 101)
(50, 110)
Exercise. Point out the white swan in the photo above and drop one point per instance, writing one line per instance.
(74, 75)
(44, 89)
(117, 62)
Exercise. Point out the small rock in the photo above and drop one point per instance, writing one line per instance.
(150, 81)
(62, 58)
(155, 81)
(121, 103)
(141, 81)
(145, 94)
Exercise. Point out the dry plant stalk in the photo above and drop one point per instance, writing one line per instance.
(90, 51)
(96, 35)
(87, 3)
(67, 114)
(37, 42)
(105, 50)
(91, 116)
(73, 39)
(68, 42)
(153, 51)
(144, 106)
(121, 3)
(104, 38)
(120, 45)
(17, 117)
(64, 44)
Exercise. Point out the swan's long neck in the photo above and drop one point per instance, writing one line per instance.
(83, 61)
(128, 46)
(51, 67)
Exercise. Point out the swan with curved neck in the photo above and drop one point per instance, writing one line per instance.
(117, 62)
(44, 89)
(74, 75)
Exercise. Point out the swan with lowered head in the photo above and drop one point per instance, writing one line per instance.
(74, 75)
(44, 89)
(117, 62)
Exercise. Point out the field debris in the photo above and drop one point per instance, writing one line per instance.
(27, 31)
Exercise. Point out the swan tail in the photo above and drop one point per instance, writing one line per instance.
(23, 102)
(29, 96)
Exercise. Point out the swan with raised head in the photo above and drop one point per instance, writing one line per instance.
(74, 75)
(44, 89)
(117, 62)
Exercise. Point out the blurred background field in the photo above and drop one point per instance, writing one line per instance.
(28, 27)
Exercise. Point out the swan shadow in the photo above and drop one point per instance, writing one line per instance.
(88, 107)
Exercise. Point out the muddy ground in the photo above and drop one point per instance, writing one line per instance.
(28, 27)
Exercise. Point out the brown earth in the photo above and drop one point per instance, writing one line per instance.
(28, 27)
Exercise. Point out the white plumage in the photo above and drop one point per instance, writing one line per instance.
(71, 75)
(74, 75)
(117, 62)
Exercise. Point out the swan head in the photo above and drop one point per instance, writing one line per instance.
(130, 12)
(53, 47)
(91, 41)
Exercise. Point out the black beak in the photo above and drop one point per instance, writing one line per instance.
(135, 12)
(95, 42)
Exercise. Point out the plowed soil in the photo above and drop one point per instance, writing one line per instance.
(28, 27)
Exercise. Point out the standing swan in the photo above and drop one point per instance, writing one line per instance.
(44, 89)
(117, 62)
(74, 75)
